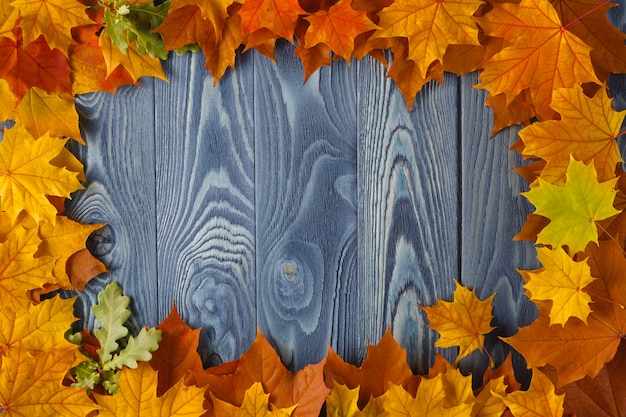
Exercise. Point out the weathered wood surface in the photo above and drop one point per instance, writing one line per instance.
(321, 213)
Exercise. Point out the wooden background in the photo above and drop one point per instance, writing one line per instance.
(321, 213)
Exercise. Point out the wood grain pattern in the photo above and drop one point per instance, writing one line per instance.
(120, 173)
(205, 210)
(492, 213)
(408, 209)
(306, 210)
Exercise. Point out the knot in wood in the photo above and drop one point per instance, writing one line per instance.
(290, 271)
(101, 241)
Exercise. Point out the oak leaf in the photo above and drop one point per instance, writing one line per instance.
(462, 322)
(229, 381)
(255, 403)
(588, 346)
(53, 19)
(574, 208)
(561, 280)
(32, 385)
(337, 28)
(178, 351)
(33, 65)
(41, 112)
(587, 131)
(385, 363)
(544, 55)
(27, 176)
(430, 26)
(539, 400)
(137, 397)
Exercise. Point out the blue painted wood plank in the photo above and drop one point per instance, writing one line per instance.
(205, 210)
(493, 212)
(120, 171)
(305, 148)
(408, 209)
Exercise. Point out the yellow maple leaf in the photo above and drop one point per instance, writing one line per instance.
(42, 112)
(561, 280)
(137, 397)
(32, 385)
(462, 322)
(544, 55)
(539, 400)
(573, 208)
(53, 19)
(342, 402)
(27, 176)
(488, 402)
(430, 26)
(8, 100)
(8, 19)
(138, 65)
(587, 130)
(255, 403)
(63, 240)
(36, 328)
(20, 271)
(428, 401)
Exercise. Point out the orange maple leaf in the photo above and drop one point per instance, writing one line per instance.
(385, 363)
(178, 351)
(337, 28)
(430, 26)
(539, 400)
(462, 322)
(33, 65)
(588, 346)
(229, 381)
(278, 17)
(53, 19)
(184, 25)
(587, 131)
(213, 12)
(544, 55)
(137, 397)
(138, 65)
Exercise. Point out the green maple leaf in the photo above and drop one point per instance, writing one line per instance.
(574, 208)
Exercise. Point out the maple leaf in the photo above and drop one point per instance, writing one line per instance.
(220, 54)
(407, 75)
(561, 280)
(32, 385)
(588, 346)
(587, 19)
(312, 57)
(42, 112)
(539, 400)
(602, 396)
(53, 19)
(342, 402)
(384, 363)
(214, 12)
(8, 100)
(255, 403)
(27, 176)
(19, 270)
(428, 400)
(137, 64)
(229, 381)
(279, 17)
(63, 240)
(573, 208)
(430, 26)
(587, 131)
(462, 322)
(544, 55)
(33, 65)
(184, 25)
(137, 397)
(337, 28)
(178, 351)
(36, 328)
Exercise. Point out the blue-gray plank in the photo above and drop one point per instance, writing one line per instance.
(321, 213)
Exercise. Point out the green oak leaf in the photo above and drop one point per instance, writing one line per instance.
(573, 208)
(111, 312)
(87, 375)
(137, 349)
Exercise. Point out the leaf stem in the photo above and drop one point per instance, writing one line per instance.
(588, 12)
(622, 133)
(608, 300)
